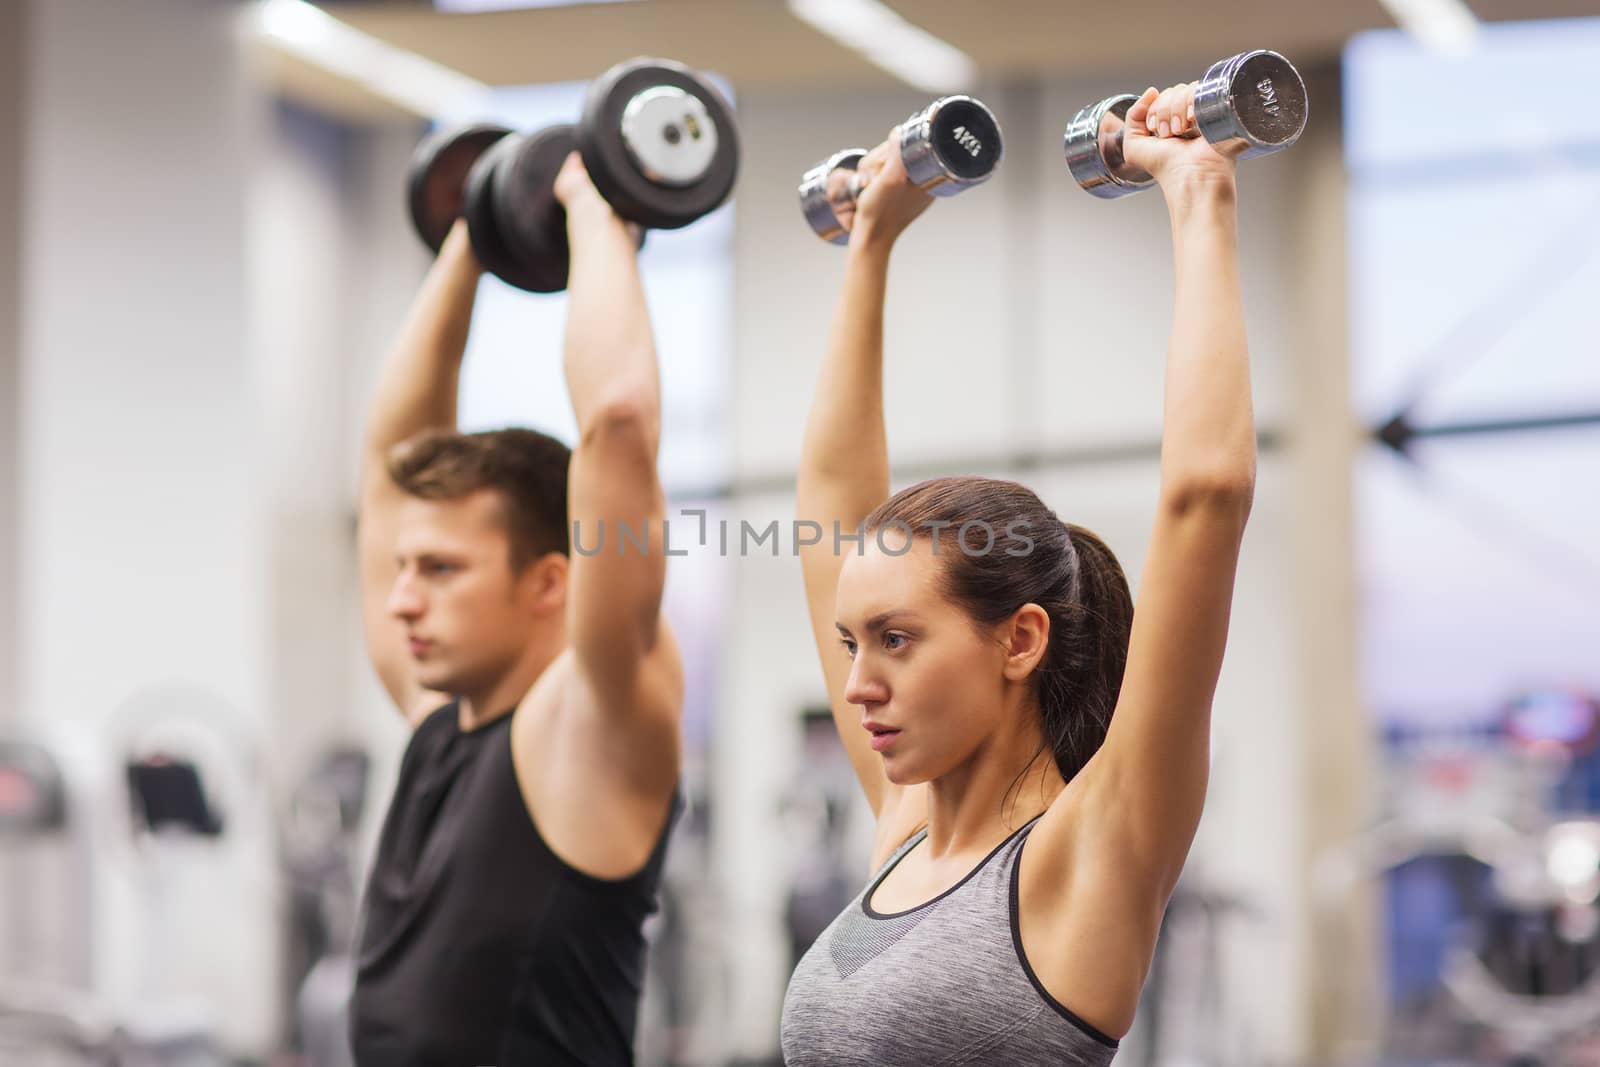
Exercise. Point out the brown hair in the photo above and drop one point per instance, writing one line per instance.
(526, 468)
(1021, 554)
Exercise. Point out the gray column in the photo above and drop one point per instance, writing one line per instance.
(1343, 962)
(12, 76)
(334, 266)
(305, 267)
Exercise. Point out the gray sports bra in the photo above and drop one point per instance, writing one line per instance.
(945, 983)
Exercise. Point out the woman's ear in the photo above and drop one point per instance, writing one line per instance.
(1026, 635)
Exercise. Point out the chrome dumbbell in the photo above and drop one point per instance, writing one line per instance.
(947, 147)
(1251, 105)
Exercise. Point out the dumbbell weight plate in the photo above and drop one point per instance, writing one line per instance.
(437, 177)
(518, 227)
(1094, 150)
(950, 146)
(1252, 104)
(483, 222)
(532, 223)
(659, 143)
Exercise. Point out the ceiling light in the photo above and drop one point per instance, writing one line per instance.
(907, 51)
(1446, 26)
(478, 6)
(404, 78)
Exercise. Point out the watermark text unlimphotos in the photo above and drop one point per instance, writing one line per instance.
(691, 531)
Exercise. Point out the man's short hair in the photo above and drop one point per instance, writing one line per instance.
(528, 470)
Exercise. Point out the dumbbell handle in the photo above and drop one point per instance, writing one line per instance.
(1249, 105)
(1193, 132)
(856, 183)
(1190, 134)
(828, 193)
(947, 147)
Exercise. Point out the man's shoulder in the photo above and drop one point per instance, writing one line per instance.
(560, 718)
(562, 695)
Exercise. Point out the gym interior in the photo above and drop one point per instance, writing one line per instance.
(206, 248)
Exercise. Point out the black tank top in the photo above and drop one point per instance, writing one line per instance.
(478, 944)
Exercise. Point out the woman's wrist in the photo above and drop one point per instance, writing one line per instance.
(1200, 194)
(871, 242)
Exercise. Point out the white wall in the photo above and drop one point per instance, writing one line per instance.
(140, 535)
(139, 538)
(141, 531)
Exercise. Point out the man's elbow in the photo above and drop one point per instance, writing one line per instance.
(627, 415)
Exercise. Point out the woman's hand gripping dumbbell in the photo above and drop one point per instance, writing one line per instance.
(1250, 105)
(949, 146)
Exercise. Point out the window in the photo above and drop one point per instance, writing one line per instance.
(1474, 230)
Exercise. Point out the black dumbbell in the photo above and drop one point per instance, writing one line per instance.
(947, 147)
(1250, 105)
(658, 141)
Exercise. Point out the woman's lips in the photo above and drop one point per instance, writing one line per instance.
(882, 736)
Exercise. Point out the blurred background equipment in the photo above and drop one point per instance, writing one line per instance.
(52, 1012)
(1494, 882)
(322, 861)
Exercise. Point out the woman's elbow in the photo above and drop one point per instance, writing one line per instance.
(1217, 489)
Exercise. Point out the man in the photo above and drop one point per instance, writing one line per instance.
(522, 849)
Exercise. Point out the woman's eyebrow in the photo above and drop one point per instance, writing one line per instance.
(880, 620)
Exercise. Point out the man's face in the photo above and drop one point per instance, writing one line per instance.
(468, 617)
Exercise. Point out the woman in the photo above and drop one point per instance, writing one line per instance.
(1036, 762)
